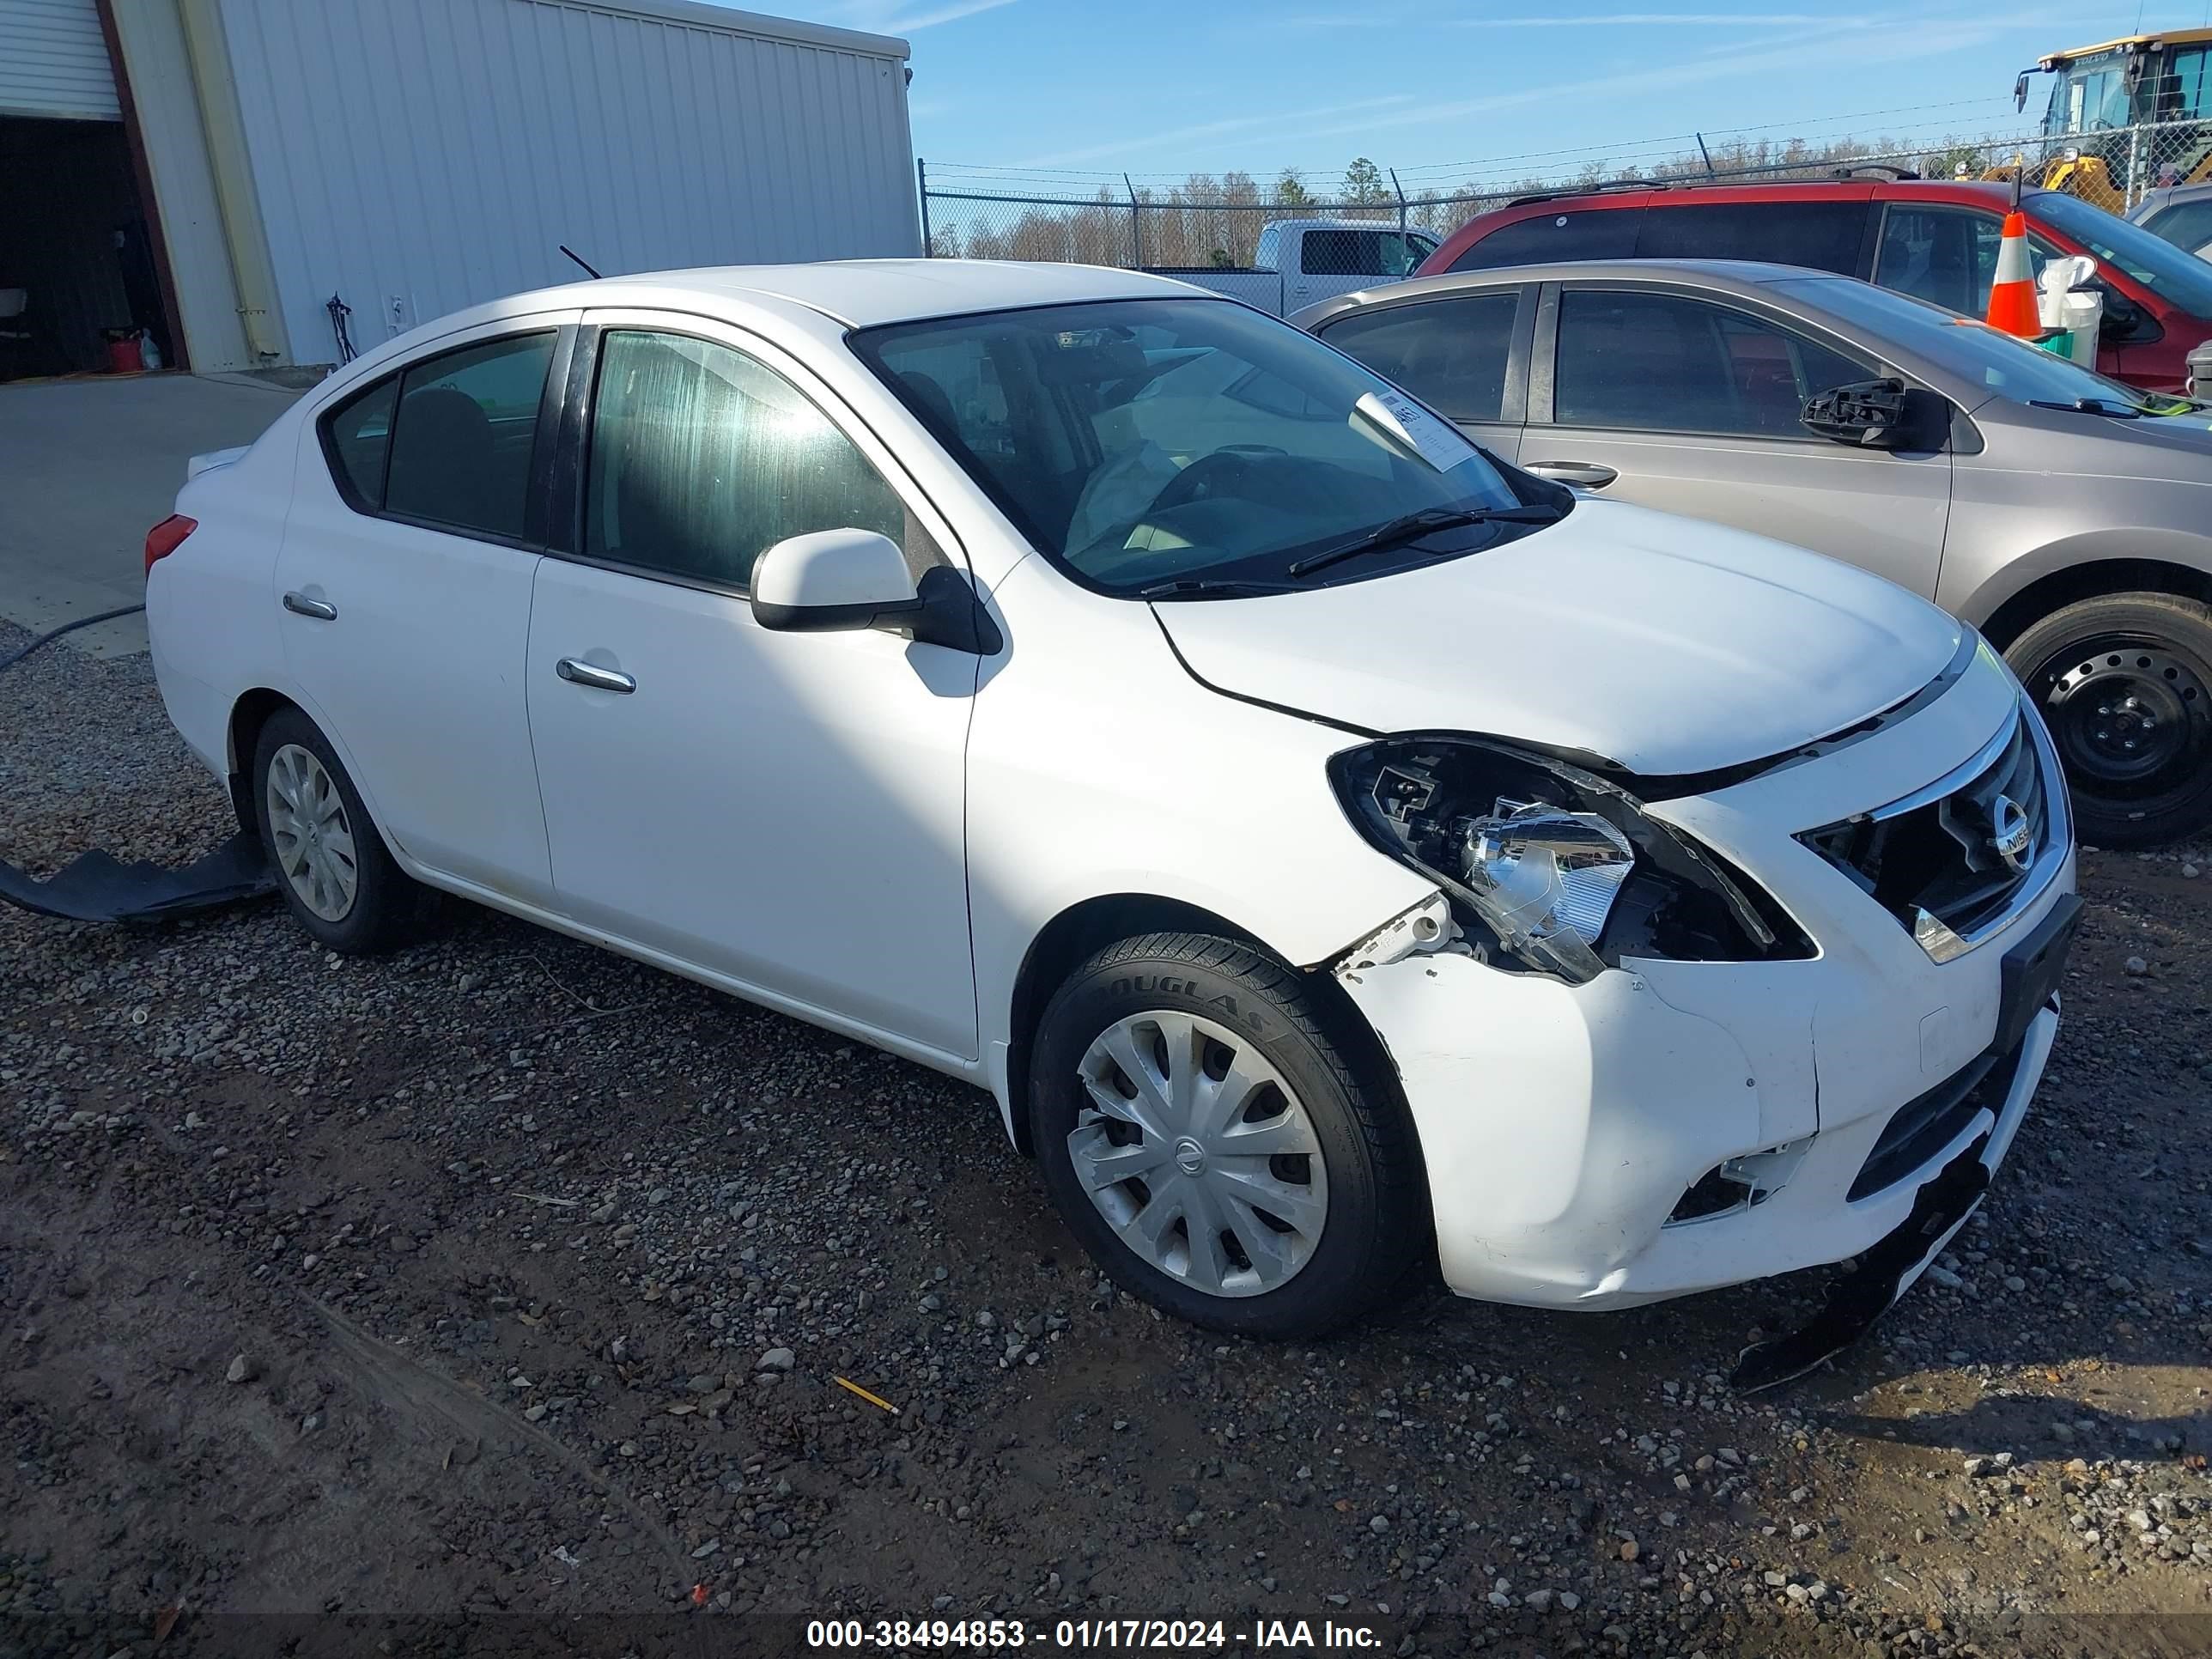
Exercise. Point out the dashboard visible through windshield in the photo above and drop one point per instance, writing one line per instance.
(1177, 447)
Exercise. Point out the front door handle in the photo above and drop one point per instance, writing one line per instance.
(1590, 475)
(301, 606)
(599, 679)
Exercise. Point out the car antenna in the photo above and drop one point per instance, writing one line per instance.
(580, 260)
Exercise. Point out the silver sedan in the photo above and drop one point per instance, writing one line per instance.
(2066, 515)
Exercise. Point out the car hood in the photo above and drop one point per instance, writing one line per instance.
(1661, 644)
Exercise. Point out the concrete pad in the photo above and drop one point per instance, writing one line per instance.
(87, 468)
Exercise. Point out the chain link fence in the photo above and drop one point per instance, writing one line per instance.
(1210, 223)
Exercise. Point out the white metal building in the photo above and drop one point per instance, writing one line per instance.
(217, 171)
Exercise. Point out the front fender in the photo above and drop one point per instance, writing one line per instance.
(1098, 766)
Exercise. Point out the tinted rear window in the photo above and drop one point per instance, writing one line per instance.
(1826, 235)
(1587, 233)
(2187, 225)
(1451, 354)
(359, 434)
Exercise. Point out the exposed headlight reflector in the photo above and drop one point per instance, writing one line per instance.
(1547, 879)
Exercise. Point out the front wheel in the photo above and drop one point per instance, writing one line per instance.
(1220, 1142)
(2124, 683)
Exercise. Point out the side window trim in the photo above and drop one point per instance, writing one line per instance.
(543, 439)
(1790, 325)
(570, 466)
(1520, 358)
(1544, 355)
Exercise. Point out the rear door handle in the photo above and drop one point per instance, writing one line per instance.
(1590, 475)
(301, 606)
(599, 679)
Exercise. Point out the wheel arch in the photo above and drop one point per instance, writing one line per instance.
(2004, 618)
(1088, 925)
(248, 715)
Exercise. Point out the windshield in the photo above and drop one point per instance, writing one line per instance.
(2180, 278)
(2091, 95)
(1971, 350)
(1142, 442)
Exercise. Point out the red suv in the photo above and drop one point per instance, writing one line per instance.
(1934, 239)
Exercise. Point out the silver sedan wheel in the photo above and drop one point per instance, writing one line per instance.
(1199, 1154)
(313, 839)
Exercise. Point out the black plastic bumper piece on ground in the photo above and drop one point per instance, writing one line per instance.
(97, 887)
(1864, 1295)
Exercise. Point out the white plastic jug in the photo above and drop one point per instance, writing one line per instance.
(2061, 303)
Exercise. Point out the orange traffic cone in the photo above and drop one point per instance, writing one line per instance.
(2012, 296)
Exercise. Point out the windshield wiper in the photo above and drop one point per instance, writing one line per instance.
(1206, 588)
(2089, 406)
(1412, 526)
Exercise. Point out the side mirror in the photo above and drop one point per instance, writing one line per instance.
(1869, 414)
(2125, 321)
(842, 580)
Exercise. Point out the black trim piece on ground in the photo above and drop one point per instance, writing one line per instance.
(97, 886)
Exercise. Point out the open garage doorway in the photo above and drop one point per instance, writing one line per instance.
(77, 271)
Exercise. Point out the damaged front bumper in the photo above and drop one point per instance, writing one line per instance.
(1572, 1135)
(1669, 1128)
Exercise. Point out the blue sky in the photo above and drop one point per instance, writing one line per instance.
(1059, 89)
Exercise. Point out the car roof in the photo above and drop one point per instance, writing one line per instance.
(853, 293)
(1736, 274)
(1636, 192)
(863, 293)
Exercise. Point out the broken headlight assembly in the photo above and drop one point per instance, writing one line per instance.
(1551, 869)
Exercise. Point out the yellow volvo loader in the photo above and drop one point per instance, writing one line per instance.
(2124, 115)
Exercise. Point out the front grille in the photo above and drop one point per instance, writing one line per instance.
(1925, 1125)
(1951, 860)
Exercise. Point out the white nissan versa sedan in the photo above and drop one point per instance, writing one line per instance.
(1331, 846)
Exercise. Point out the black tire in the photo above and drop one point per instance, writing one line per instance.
(2124, 683)
(388, 906)
(1377, 1211)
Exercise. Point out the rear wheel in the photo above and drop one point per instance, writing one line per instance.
(1222, 1147)
(2124, 683)
(341, 885)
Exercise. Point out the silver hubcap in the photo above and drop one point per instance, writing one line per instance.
(313, 840)
(1198, 1154)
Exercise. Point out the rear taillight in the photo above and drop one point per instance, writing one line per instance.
(167, 537)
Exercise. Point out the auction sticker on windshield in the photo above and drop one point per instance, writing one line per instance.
(1400, 418)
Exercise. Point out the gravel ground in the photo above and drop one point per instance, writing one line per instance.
(508, 1277)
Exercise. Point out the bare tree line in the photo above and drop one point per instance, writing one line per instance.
(1216, 220)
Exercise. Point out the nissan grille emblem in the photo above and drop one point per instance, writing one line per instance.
(2009, 833)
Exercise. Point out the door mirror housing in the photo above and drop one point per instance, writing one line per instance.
(1867, 414)
(2124, 322)
(843, 580)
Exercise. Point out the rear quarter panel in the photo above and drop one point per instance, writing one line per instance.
(211, 619)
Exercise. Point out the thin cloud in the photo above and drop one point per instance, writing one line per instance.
(892, 17)
(1851, 45)
(952, 13)
(1684, 20)
(1243, 124)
